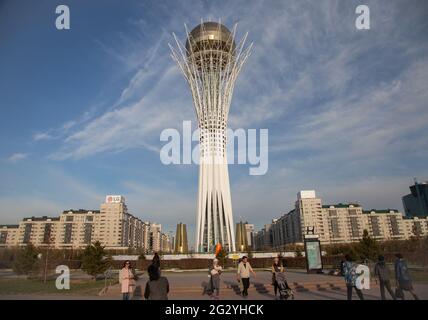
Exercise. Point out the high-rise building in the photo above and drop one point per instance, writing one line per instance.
(211, 61)
(416, 226)
(146, 237)
(181, 245)
(241, 237)
(244, 236)
(76, 228)
(309, 213)
(112, 226)
(249, 229)
(114, 222)
(166, 244)
(338, 223)
(155, 237)
(263, 240)
(416, 202)
(40, 231)
(9, 235)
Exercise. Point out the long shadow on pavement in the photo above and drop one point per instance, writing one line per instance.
(354, 296)
(235, 287)
(316, 294)
(261, 289)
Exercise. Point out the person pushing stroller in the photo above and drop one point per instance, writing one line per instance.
(279, 282)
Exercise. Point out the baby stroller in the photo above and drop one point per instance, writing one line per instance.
(285, 291)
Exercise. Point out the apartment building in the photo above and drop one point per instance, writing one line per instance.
(338, 223)
(263, 240)
(75, 228)
(39, 231)
(8, 235)
(155, 237)
(416, 226)
(166, 243)
(113, 226)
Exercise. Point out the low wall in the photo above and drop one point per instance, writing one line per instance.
(200, 263)
(204, 256)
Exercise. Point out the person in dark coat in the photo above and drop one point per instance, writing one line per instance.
(402, 277)
(156, 261)
(157, 288)
(383, 275)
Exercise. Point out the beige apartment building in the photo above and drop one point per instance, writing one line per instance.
(8, 235)
(339, 223)
(417, 226)
(155, 237)
(113, 226)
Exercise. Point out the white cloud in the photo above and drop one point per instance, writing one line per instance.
(17, 157)
(135, 126)
(376, 120)
(42, 136)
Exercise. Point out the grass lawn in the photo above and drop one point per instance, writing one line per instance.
(24, 286)
(419, 276)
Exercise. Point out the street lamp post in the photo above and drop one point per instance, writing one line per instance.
(46, 259)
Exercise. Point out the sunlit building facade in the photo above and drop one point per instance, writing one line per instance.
(113, 226)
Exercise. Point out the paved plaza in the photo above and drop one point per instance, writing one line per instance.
(189, 285)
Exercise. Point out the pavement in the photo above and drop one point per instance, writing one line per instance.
(190, 285)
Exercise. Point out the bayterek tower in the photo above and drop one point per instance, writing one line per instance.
(211, 60)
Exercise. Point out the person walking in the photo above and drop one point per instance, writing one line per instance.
(157, 287)
(383, 275)
(243, 273)
(214, 285)
(402, 278)
(350, 276)
(277, 267)
(156, 261)
(126, 279)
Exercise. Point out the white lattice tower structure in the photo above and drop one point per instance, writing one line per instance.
(211, 61)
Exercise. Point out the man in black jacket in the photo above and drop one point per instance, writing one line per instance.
(383, 275)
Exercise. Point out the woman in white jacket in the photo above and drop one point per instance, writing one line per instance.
(126, 279)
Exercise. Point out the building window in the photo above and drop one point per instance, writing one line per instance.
(375, 226)
(354, 227)
(68, 233)
(27, 233)
(352, 212)
(395, 231)
(3, 236)
(88, 233)
(334, 224)
(47, 233)
(417, 228)
(332, 213)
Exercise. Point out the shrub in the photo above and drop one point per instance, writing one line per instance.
(368, 247)
(26, 261)
(94, 260)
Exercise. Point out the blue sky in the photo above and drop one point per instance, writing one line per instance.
(82, 109)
